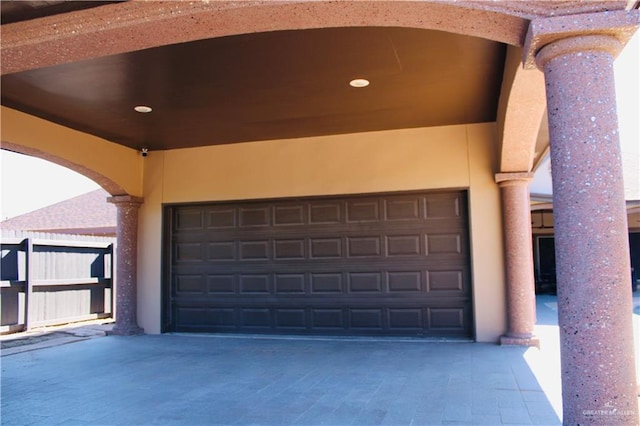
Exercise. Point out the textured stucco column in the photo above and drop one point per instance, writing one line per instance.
(516, 213)
(126, 264)
(592, 251)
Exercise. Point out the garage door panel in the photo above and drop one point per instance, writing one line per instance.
(363, 211)
(288, 215)
(291, 318)
(357, 245)
(447, 319)
(288, 249)
(255, 318)
(254, 250)
(188, 219)
(365, 282)
(315, 232)
(290, 283)
(443, 206)
(254, 216)
(363, 246)
(405, 281)
(254, 283)
(325, 213)
(207, 318)
(406, 318)
(444, 244)
(220, 217)
(363, 277)
(222, 284)
(445, 281)
(326, 283)
(221, 250)
(189, 284)
(292, 300)
(349, 320)
(392, 264)
(323, 248)
(365, 319)
(188, 252)
(404, 245)
(328, 319)
(403, 209)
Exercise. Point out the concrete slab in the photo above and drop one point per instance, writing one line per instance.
(207, 380)
(46, 337)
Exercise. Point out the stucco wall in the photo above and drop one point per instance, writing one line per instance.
(400, 160)
(116, 168)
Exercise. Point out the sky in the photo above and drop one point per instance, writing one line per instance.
(28, 183)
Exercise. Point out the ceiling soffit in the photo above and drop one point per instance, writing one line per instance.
(275, 85)
(91, 41)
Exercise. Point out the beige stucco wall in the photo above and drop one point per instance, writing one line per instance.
(355, 163)
(116, 168)
(399, 160)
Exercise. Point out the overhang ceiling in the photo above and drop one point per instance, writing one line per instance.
(262, 86)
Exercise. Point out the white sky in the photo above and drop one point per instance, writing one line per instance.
(29, 183)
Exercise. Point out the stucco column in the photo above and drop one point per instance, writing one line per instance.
(126, 264)
(516, 213)
(591, 241)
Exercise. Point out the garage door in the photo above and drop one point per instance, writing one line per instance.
(388, 264)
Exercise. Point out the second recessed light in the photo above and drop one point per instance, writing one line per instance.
(143, 109)
(359, 82)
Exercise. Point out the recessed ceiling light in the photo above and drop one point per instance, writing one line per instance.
(359, 82)
(143, 109)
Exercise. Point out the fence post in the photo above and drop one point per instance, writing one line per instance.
(28, 284)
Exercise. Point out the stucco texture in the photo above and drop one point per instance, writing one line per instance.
(399, 160)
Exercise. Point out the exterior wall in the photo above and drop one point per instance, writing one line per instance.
(399, 160)
(116, 168)
(487, 251)
(150, 246)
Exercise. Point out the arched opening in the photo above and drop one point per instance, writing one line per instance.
(41, 196)
(106, 183)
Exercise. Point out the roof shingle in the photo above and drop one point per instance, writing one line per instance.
(87, 214)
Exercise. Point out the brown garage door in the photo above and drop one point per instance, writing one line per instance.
(389, 264)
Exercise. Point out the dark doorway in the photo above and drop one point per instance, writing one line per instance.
(545, 264)
(634, 250)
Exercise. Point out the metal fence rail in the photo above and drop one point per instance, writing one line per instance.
(48, 279)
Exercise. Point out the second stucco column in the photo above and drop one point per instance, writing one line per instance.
(592, 251)
(126, 264)
(521, 300)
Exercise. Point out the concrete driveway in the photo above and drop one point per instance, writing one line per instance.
(204, 380)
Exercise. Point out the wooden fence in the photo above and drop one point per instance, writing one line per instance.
(49, 279)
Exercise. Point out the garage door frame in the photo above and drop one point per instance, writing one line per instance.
(167, 245)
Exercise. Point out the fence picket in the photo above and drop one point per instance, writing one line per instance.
(54, 278)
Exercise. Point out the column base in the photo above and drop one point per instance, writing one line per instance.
(531, 341)
(127, 330)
